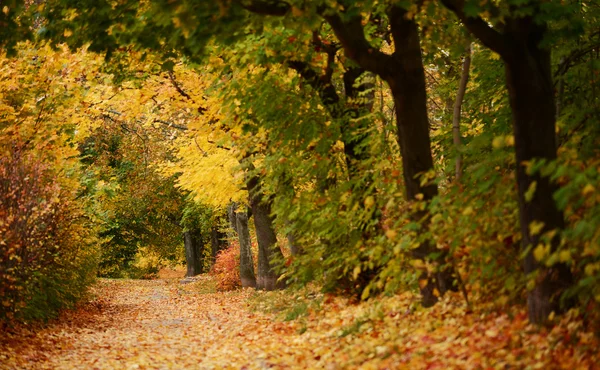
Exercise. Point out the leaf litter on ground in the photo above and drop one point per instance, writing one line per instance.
(169, 324)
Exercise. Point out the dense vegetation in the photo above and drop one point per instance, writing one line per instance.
(368, 147)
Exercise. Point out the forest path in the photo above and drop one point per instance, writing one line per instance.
(159, 324)
(165, 324)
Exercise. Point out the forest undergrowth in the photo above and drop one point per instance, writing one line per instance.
(165, 324)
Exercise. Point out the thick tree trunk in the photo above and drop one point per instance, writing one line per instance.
(531, 93)
(246, 262)
(460, 94)
(268, 250)
(239, 222)
(407, 83)
(192, 242)
(404, 73)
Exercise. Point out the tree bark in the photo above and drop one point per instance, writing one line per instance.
(246, 262)
(460, 95)
(408, 87)
(239, 222)
(268, 250)
(192, 242)
(531, 96)
(529, 83)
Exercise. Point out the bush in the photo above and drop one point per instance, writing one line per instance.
(146, 266)
(226, 269)
(47, 258)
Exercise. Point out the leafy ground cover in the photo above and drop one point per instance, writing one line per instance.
(169, 324)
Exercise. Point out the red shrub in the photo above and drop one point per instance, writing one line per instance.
(227, 268)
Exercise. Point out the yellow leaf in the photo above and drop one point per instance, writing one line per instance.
(436, 218)
(365, 294)
(530, 191)
(590, 269)
(498, 142)
(391, 234)
(564, 256)
(540, 252)
(509, 140)
(589, 188)
(535, 227)
(492, 333)
(467, 211)
(418, 264)
(356, 272)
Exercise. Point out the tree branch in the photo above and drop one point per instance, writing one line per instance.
(571, 60)
(178, 88)
(171, 124)
(352, 37)
(490, 37)
(322, 85)
(266, 7)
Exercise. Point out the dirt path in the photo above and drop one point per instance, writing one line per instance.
(163, 324)
(159, 324)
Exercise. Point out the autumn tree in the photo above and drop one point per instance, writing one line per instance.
(519, 41)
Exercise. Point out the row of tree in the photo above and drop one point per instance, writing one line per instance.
(319, 116)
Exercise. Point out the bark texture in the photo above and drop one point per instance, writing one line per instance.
(192, 242)
(218, 242)
(268, 250)
(239, 222)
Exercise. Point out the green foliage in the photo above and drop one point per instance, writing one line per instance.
(160, 158)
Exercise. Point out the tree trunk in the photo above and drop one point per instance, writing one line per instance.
(404, 73)
(268, 250)
(246, 262)
(408, 87)
(192, 242)
(531, 93)
(462, 88)
(239, 222)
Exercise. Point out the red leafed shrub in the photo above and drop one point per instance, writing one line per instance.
(45, 263)
(227, 268)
